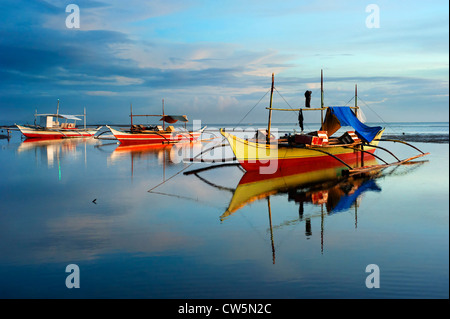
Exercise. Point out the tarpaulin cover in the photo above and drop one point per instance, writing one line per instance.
(173, 118)
(62, 116)
(346, 117)
(346, 201)
(331, 123)
(69, 117)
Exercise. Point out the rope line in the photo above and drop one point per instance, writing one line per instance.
(349, 101)
(294, 123)
(386, 124)
(284, 99)
(251, 109)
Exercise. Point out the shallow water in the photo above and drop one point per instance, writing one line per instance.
(86, 202)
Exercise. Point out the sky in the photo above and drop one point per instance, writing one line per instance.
(213, 60)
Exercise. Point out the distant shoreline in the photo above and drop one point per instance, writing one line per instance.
(420, 138)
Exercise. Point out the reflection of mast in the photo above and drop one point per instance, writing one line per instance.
(59, 164)
(132, 165)
(164, 157)
(308, 231)
(138, 152)
(321, 228)
(271, 230)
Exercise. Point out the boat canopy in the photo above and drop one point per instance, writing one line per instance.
(174, 118)
(338, 116)
(62, 116)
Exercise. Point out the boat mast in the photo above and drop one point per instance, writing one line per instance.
(356, 99)
(131, 116)
(321, 97)
(164, 122)
(85, 118)
(57, 113)
(270, 110)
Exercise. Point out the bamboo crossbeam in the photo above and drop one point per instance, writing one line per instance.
(305, 109)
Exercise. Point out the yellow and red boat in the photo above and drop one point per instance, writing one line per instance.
(267, 158)
(269, 154)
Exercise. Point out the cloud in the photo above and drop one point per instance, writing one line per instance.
(219, 56)
(101, 93)
(112, 14)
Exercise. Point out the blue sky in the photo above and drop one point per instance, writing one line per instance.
(213, 60)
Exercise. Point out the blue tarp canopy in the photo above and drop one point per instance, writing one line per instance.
(345, 116)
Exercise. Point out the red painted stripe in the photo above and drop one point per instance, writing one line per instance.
(313, 163)
(47, 136)
(132, 139)
(55, 135)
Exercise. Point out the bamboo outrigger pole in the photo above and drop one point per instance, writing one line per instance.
(270, 110)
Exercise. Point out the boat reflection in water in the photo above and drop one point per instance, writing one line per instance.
(326, 186)
(165, 154)
(318, 185)
(53, 150)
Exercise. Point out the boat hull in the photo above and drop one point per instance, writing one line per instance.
(269, 158)
(127, 138)
(30, 132)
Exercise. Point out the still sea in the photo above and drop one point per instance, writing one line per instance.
(148, 223)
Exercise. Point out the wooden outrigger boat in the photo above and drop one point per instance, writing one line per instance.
(269, 154)
(56, 126)
(156, 134)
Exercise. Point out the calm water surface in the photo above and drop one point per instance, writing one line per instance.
(86, 202)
